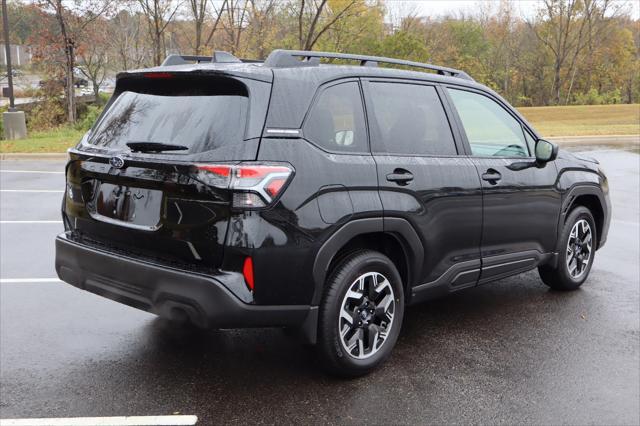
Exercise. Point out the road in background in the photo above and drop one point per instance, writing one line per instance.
(508, 352)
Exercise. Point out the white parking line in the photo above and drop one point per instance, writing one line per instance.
(32, 190)
(28, 280)
(30, 171)
(3, 222)
(100, 421)
(626, 222)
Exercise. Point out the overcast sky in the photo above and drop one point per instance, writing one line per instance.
(525, 8)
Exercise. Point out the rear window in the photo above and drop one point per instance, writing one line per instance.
(201, 113)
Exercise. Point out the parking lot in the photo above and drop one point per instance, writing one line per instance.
(507, 352)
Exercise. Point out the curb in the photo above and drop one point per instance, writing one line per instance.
(595, 139)
(50, 156)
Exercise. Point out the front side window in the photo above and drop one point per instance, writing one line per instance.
(336, 121)
(410, 120)
(490, 129)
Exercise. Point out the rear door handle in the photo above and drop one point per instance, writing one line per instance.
(492, 176)
(400, 176)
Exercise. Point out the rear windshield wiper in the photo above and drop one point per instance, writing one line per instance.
(155, 147)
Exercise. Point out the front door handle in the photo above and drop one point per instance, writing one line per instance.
(492, 176)
(400, 176)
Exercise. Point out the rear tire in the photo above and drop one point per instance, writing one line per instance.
(361, 314)
(577, 249)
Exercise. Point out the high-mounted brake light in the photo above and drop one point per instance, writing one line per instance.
(158, 75)
(255, 185)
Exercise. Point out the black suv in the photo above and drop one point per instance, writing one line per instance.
(320, 197)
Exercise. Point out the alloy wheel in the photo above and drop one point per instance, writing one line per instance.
(366, 315)
(579, 248)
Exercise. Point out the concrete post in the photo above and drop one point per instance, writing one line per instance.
(15, 126)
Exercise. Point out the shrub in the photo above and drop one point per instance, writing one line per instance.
(524, 101)
(593, 97)
(103, 98)
(613, 97)
(88, 117)
(2, 109)
(46, 114)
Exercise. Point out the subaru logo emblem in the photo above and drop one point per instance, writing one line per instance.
(117, 162)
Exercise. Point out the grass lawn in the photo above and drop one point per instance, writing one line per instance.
(57, 140)
(584, 120)
(548, 121)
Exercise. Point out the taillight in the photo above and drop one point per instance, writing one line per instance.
(255, 185)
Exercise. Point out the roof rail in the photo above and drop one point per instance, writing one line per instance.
(299, 58)
(218, 57)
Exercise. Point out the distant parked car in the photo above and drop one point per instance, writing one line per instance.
(80, 82)
(14, 73)
(77, 82)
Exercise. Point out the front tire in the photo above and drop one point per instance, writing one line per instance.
(361, 314)
(577, 250)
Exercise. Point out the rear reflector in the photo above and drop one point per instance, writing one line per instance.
(247, 272)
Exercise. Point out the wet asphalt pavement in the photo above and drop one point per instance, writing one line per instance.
(508, 352)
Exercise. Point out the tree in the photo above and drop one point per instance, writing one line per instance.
(218, 16)
(498, 28)
(126, 40)
(315, 17)
(572, 51)
(198, 9)
(234, 19)
(262, 28)
(159, 13)
(72, 23)
(564, 28)
(93, 54)
(361, 30)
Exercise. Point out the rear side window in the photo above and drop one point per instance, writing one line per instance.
(410, 120)
(490, 129)
(336, 121)
(199, 113)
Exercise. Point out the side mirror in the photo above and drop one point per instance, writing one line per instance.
(546, 151)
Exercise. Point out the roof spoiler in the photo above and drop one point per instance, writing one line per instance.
(301, 58)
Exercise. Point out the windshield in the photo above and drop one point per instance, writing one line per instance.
(183, 116)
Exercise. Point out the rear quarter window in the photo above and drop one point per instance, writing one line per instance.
(336, 120)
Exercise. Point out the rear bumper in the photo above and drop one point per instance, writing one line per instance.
(169, 292)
